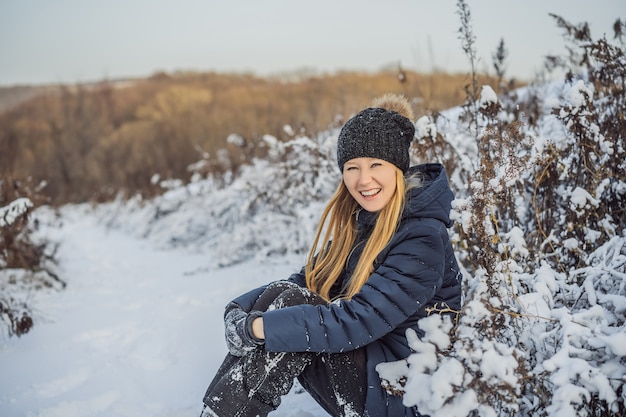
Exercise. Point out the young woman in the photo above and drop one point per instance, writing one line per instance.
(380, 257)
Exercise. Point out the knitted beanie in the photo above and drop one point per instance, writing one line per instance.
(376, 132)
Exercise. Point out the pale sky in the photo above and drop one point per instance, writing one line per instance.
(70, 41)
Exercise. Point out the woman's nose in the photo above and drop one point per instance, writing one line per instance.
(365, 177)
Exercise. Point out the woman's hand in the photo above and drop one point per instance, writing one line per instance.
(238, 330)
(257, 328)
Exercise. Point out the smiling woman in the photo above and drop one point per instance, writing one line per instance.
(385, 259)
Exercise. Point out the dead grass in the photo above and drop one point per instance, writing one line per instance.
(90, 142)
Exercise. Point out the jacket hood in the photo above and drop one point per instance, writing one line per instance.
(432, 199)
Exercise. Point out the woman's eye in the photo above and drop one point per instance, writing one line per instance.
(350, 168)
(376, 164)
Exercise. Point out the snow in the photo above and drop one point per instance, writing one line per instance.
(138, 331)
(516, 242)
(425, 128)
(487, 96)
(616, 343)
(16, 208)
(579, 94)
(580, 197)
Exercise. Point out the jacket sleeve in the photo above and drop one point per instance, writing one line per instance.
(405, 280)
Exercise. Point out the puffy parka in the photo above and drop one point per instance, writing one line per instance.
(416, 270)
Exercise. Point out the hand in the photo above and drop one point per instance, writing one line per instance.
(258, 330)
(238, 330)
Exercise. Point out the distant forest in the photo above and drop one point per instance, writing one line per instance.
(94, 142)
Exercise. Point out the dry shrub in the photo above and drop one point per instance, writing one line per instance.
(563, 202)
(93, 142)
(592, 161)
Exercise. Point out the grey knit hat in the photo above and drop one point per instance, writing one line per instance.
(376, 133)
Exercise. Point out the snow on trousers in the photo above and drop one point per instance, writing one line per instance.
(252, 385)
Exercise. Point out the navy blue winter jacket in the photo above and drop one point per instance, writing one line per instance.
(416, 270)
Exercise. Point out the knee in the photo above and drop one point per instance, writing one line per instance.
(280, 286)
(296, 296)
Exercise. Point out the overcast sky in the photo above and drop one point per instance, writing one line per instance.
(72, 41)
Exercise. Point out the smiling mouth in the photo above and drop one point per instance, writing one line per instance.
(370, 193)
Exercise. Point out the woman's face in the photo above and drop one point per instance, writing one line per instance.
(370, 181)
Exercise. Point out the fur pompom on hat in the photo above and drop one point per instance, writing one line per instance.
(383, 131)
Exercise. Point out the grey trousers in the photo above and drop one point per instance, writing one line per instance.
(252, 385)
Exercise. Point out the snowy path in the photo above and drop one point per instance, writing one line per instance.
(138, 332)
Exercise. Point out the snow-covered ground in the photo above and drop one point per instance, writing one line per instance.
(137, 332)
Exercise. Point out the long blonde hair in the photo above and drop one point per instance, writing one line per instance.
(323, 270)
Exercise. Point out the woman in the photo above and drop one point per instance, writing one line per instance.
(385, 258)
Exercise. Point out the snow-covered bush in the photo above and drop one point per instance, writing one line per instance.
(542, 331)
(270, 207)
(24, 263)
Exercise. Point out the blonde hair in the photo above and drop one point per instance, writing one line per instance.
(323, 270)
